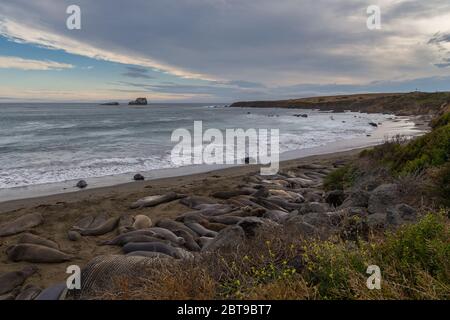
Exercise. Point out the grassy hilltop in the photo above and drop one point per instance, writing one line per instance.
(402, 104)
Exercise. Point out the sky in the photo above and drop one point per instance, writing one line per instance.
(220, 50)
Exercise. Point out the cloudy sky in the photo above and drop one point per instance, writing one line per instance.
(220, 50)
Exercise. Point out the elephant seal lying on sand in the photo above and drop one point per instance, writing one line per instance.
(190, 243)
(108, 226)
(149, 254)
(201, 230)
(167, 234)
(152, 201)
(34, 239)
(11, 280)
(21, 224)
(174, 225)
(151, 247)
(125, 238)
(36, 253)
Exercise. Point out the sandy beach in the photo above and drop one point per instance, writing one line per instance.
(61, 211)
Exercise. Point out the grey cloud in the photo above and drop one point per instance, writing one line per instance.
(251, 45)
(137, 72)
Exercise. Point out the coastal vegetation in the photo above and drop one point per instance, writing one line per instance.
(281, 263)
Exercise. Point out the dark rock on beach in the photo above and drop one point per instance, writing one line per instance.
(138, 177)
(335, 198)
(81, 184)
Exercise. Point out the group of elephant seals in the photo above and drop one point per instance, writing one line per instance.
(152, 201)
(11, 280)
(36, 253)
(21, 224)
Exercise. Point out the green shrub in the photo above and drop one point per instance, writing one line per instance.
(441, 121)
(341, 178)
(430, 150)
(422, 246)
(441, 185)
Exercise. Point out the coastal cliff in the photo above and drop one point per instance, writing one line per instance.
(401, 104)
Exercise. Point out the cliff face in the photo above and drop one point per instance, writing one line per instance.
(414, 103)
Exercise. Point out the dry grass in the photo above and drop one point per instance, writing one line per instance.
(277, 264)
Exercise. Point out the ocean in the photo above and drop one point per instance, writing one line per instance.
(51, 143)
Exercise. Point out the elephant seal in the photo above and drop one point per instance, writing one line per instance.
(192, 217)
(150, 246)
(214, 226)
(142, 222)
(174, 225)
(201, 230)
(29, 292)
(149, 254)
(21, 224)
(36, 253)
(34, 239)
(11, 280)
(225, 219)
(214, 209)
(106, 227)
(168, 235)
(125, 238)
(189, 241)
(194, 201)
(56, 292)
(225, 195)
(153, 201)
